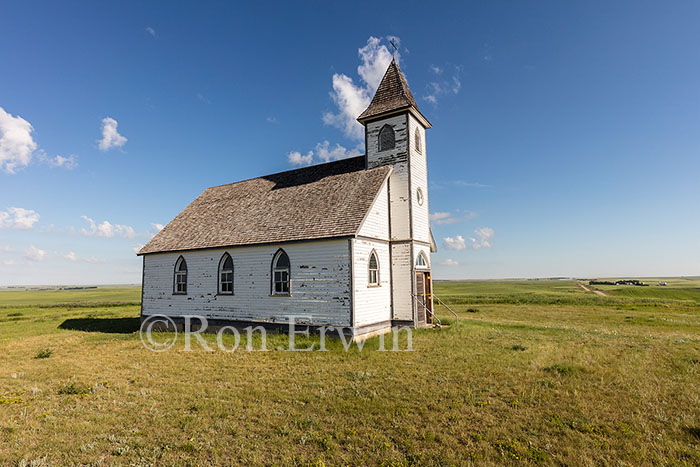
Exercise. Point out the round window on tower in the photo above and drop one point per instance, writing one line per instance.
(419, 196)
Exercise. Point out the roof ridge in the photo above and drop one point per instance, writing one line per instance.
(290, 170)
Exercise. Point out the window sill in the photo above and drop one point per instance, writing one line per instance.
(224, 294)
(373, 286)
(280, 295)
(179, 293)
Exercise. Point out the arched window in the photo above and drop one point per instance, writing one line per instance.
(373, 269)
(226, 275)
(386, 138)
(417, 139)
(180, 276)
(280, 273)
(421, 261)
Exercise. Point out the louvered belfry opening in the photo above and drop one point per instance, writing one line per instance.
(387, 139)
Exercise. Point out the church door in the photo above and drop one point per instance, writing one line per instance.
(420, 299)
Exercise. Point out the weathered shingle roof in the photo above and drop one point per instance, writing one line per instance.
(321, 201)
(392, 94)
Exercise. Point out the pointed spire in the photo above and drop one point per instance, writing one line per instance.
(392, 95)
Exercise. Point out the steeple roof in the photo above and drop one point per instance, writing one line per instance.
(392, 95)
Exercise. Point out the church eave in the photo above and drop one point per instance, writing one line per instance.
(408, 108)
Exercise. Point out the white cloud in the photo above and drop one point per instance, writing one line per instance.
(137, 247)
(6, 249)
(69, 162)
(455, 243)
(352, 99)
(271, 119)
(201, 97)
(110, 136)
(34, 254)
(16, 142)
(443, 86)
(107, 229)
(18, 218)
(449, 262)
(71, 256)
(325, 153)
(296, 158)
(8, 262)
(157, 226)
(456, 85)
(483, 238)
(151, 31)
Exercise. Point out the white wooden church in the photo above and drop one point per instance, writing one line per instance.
(345, 243)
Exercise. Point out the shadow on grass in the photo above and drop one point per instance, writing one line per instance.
(106, 325)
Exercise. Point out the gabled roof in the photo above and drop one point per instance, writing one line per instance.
(392, 95)
(322, 201)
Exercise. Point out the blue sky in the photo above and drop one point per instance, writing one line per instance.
(565, 135)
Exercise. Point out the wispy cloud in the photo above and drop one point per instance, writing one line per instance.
(352, 99)
(18, 218)
(442, 218)
(16, 142)
(441, 85)
(449, 262)
(443, 184)
(110, 136)
(271, 119)
(34, 254)
(71, 256)
(137, 247)
(69, 162)
(157, 226)
(107, 229)
(482, 238)
(201, 98)
(151, 31)
(6, 249)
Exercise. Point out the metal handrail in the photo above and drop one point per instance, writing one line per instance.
(439, 323)
(445, 305)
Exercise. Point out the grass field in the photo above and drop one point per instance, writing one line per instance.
(536, 372)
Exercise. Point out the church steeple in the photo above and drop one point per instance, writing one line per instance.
(392, 96)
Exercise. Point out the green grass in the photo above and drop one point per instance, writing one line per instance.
(543, 373)
(51, 296)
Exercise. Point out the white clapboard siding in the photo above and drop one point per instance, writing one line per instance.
(419, 179)
(372, 304)
(398, 181)
(402, 271)
(376, 224)
(320, 283)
